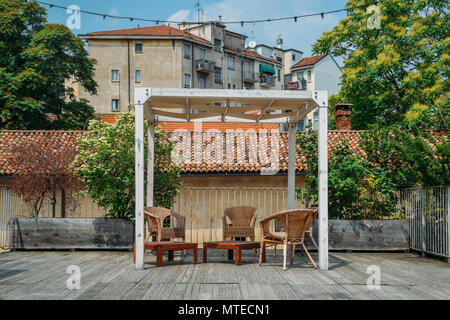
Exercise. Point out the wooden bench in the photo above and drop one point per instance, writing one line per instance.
(162, 246)
(238, 246)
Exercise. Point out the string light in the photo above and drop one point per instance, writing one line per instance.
(241, 22)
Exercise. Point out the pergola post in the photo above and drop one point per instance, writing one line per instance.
(323, 186)
(150, 163)
(139, 181)
(292, 136)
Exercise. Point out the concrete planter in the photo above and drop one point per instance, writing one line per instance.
(369, 235)
(59, 233)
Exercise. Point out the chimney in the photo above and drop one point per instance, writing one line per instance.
(343, 116)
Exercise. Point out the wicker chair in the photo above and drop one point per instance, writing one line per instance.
(243, 220)
(310, 227)
(155, 217)
(295, 223)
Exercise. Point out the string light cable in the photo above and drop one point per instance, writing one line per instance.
(241, 22)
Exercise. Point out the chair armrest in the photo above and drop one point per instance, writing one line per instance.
(155, 219)
(224, 221)
(253, 222)
(179, 218)
(277, 215)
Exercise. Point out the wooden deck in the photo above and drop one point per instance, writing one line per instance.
(111, 275)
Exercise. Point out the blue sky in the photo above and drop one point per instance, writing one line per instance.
(299, 35)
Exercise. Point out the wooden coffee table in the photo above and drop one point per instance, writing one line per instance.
(230, 246)
(162, 246)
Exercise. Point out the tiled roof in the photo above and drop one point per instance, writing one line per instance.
(197, 165)
(161, 30)
(10, 138)
(251, 53)
(110, 118)
(308, 61)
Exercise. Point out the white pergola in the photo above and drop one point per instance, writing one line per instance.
(219, 105)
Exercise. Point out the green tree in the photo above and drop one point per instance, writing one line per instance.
(398, 72)
(36, 58)
(106, 164)
(409, 158)
(356, 189)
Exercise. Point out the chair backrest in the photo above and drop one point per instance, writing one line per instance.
(240, 216)
(160, 212)
(310, 225)
(296, 222)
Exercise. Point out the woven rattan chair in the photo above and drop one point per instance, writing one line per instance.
(310, 227)
(242, 223)
(155, 217)
(295, 223)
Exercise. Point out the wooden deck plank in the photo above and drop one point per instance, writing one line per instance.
(112, 275)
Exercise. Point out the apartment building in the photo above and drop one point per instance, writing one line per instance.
(191, 56)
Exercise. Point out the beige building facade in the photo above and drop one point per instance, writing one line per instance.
(191, 56)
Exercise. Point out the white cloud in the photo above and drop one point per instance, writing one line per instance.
(299, 35)
(181, 15)
(114, 12)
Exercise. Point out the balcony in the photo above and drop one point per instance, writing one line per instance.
(267, 81)
(250, 77)
(204, 66)
(296, 85)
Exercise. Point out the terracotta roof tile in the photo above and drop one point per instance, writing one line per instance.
(308, 61)
(110, 118)
(243, 145)
(10, 138)
(161, 30)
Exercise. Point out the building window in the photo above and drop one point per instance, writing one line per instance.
(300, 76)
(279, 74)
(231, 62)
(293, 57)
(301, 125)
(229, 86)
(202, 83)
(138, 48)
(217, 45)
(217, 74)
(234, 86)
(309, 75)
(115, 105)
(187, 80)
(61, 91)
(114, 75)
(202, 54)
(316, 121)
(187, 51)
(138, 76)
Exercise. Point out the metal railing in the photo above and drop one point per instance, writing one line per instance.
(427, 210)
(250, 76)
(205, 66)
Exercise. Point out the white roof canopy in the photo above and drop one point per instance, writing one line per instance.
(213, 105)
(161, 104)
